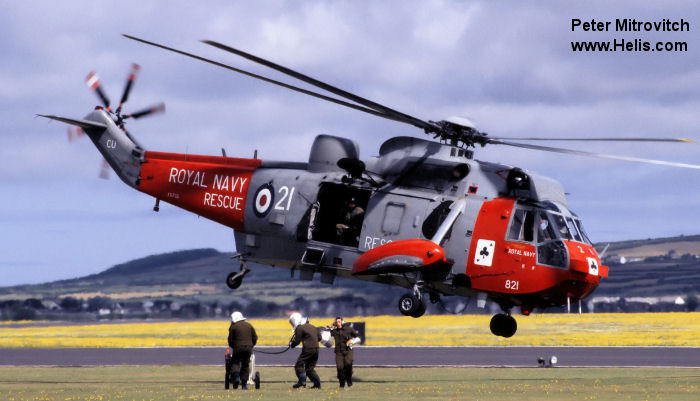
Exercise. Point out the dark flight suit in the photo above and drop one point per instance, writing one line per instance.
(308, 336)
(343, 355)
(241, 339)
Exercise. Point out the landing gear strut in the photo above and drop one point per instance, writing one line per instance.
(412, 304)
(234, 279)
(503, 325)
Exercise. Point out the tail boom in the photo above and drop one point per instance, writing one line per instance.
(213, 187)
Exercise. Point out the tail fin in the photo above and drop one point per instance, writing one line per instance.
(122, 153)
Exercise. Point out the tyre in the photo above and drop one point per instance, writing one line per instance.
(233, 282)
(407, 304)
(503, 325)
(511, 326)
(257, 380)
(497, 324)
(420, 308)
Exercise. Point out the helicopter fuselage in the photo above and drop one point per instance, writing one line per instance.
(518, 246)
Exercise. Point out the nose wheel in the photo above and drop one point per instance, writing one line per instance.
(503, 325)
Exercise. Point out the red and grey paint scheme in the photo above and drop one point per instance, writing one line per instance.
(450, 226)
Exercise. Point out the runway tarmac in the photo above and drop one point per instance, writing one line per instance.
(365, 356)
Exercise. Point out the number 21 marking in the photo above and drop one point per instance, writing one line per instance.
(286, 195)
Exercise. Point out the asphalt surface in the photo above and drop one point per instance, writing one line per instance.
(365, 356)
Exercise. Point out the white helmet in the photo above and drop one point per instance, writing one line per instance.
(296, 319)
(237, 317)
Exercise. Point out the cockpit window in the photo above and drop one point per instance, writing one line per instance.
(584, 236)
(563, 228)
(521, 228)
(545, 229)
(573, 229)
(540, 225)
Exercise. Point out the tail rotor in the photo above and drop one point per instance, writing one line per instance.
(94, 83)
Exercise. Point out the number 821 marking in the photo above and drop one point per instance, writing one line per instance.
(512, 284)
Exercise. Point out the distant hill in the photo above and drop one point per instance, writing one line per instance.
(654, 246)
(199, 275)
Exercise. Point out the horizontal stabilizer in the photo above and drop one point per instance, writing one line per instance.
(84, 124)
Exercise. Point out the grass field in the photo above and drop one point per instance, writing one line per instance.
(206, 383)
(626, 329)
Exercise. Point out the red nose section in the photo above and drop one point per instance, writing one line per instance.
(400, 256)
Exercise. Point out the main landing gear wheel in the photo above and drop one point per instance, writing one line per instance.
(503, 325)
(234, 280)
(410, 305)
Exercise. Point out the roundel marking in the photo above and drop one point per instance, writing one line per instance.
(264, 197)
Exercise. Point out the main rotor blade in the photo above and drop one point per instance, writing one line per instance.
(686, 140)
(592, 154)
(332, 89)
(269, 80)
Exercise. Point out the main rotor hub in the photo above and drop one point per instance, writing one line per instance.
(457, 134)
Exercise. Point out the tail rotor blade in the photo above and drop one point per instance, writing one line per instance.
(159, 108)
(135, 68)
(78, 133)
(93, 82)
(104, 170)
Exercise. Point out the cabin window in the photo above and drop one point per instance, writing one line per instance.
(392, 218)
(435, 219)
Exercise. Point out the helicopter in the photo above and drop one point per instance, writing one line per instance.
(423, 214)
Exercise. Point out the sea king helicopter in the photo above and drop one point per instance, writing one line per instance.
(423, 214)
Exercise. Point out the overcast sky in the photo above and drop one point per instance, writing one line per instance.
(507, 65)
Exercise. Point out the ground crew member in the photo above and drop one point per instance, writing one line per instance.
(308, 336)
(344, 337)
(241, 339)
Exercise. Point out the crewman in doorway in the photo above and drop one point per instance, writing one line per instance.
(348, 229)
(345, 337)
(308, 336)
(241, 338)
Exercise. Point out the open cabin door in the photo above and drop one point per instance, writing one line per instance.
(338, 214)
